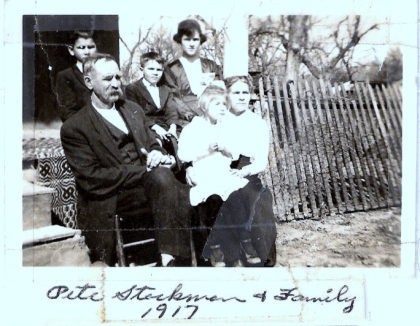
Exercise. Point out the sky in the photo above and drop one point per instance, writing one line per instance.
(373, 47)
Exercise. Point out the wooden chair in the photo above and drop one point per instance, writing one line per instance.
(139, 238)
(142, 242)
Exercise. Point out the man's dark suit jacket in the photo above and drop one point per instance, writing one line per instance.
(72, 93)
(97, 163)
(176, 78)
(164, 117)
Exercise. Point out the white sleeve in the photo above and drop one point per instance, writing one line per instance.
(260, 147)
(192, 144)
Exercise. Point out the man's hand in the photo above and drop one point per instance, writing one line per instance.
(168, 161)
(190, 176)
(156, 158)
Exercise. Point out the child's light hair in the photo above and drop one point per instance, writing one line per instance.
(209, 95)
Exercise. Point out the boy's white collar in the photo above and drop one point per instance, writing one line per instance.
(147, 83)
(79, 65)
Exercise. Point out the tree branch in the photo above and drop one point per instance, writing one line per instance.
(355, 39)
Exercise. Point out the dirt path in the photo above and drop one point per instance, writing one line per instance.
(363, 239)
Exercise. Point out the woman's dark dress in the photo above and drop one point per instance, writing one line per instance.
(176, 78)
(247, 210)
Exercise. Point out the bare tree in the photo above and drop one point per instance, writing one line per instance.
(160, 41)
(282, 44)
(127, 67)
(265, 48)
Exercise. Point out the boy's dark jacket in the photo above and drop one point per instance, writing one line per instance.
(72, 93)
(164, 117)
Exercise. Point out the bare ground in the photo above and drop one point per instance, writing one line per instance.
(362, 239)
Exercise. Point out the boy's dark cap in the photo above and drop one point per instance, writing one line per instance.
(188, 27)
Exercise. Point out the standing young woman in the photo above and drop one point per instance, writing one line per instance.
(189, 75)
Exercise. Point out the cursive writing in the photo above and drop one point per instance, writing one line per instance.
(292, 294)
(147, 293)
(82, 293)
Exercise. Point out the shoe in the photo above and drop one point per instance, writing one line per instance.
(272, 256)
(202, 262)
(99, 263)
(182, 262)
(238, 263)
(249, 252)
(171, 263)
(217, 257)
(175, 262)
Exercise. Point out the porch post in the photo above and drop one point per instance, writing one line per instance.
(235, 60)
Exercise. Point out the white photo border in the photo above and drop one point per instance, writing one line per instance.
(388, 293)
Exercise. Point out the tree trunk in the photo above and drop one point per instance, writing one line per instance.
(292, 65)
(297, 39)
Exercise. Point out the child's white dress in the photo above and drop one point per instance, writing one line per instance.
(211, 168)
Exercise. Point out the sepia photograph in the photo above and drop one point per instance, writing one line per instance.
(310, 178)
(260, 147)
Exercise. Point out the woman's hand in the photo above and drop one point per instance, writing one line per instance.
(160, 131)
(242, 173)
(190, 176)
(172, 131)
(217, 147)
(207, 78)
(213, 147)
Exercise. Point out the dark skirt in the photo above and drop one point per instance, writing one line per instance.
(246, 214)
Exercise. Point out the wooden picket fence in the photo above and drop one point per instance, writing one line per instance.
(331, 150)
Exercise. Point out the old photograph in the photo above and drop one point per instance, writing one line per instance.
(323, 142)
(264, 151)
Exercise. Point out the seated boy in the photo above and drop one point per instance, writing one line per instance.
(72, 93)
(155, 99)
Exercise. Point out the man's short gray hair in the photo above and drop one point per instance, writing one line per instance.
(93, 59)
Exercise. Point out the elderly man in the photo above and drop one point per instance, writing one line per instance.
(119, 166)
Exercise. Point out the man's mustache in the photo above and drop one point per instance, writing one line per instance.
(117, 92)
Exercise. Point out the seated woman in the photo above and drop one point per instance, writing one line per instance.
(244, 230)
(189, 75)
(206, 144)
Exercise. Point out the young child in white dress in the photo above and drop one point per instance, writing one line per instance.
(206, 144)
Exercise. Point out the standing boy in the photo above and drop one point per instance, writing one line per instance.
(72, 93)
(155, 99)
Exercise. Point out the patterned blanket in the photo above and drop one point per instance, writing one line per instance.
(53, 171)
